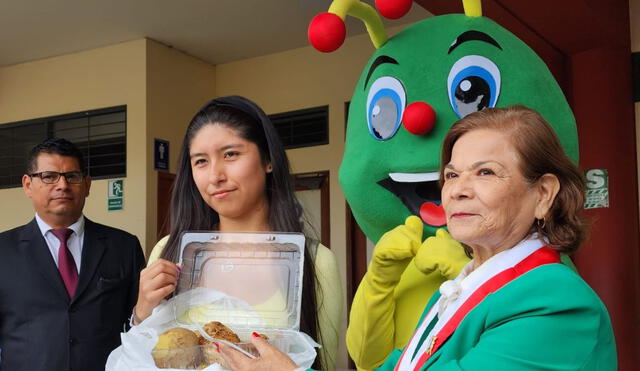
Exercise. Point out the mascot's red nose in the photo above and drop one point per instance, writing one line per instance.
(419, 118)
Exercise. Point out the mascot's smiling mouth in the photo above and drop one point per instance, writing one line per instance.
(420, 193)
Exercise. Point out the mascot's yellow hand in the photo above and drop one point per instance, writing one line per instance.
(441, 253)
(395, 250)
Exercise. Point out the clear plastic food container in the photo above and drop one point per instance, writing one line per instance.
(250, 282)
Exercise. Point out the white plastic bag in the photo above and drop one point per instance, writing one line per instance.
(135, 351)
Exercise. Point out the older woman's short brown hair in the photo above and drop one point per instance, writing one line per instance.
(539, 153)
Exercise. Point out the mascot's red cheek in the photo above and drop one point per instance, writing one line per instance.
(433, 214)
(393, 9)
(326, 32)
(419, 118)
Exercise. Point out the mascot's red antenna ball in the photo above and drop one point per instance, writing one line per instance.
(393, 9)
(327, 30)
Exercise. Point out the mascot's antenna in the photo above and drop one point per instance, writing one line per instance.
(327, 30)
(472, 8)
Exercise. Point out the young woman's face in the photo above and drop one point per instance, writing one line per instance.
(229, 173)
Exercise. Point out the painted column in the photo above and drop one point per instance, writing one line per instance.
(610, 261)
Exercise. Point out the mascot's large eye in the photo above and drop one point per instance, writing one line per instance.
(473, 84)
(385, 104)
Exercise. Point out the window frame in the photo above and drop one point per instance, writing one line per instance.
(48, 124)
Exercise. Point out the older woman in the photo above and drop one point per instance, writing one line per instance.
(514, 199)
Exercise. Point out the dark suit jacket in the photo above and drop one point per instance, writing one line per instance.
(41, 328)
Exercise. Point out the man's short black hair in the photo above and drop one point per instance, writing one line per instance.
(57, 146)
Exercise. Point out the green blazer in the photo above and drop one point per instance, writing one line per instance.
(546, 319)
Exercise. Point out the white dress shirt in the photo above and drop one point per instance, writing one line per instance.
(74, 243)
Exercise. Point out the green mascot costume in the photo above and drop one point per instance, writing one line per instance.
(414, 87)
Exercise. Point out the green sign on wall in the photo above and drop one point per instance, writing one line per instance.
(115, 195)
(597, 193)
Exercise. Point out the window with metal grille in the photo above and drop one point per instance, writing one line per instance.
(100, 134)
(303, 128)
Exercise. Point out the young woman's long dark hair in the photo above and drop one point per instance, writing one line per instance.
(189, 212)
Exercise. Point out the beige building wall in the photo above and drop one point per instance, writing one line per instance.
(98, 78)
(161, 87)
(177, 85)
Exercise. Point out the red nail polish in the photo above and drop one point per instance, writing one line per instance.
(255, 335)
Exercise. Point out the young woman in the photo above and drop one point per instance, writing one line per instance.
(233, 176)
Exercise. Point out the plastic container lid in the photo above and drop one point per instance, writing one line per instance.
(244, 280)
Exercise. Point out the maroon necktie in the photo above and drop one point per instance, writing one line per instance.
(66, 264)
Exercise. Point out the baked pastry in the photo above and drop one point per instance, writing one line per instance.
(210, 352)
(177, 348)
(217, 330)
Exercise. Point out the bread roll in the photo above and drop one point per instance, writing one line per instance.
(177, 348)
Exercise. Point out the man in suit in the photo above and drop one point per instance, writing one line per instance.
(67, 284)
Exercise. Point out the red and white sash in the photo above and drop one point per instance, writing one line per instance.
(474, 286)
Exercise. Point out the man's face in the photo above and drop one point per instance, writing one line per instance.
(59, 204)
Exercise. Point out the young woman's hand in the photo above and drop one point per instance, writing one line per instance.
(271, 359)
(156, 282)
